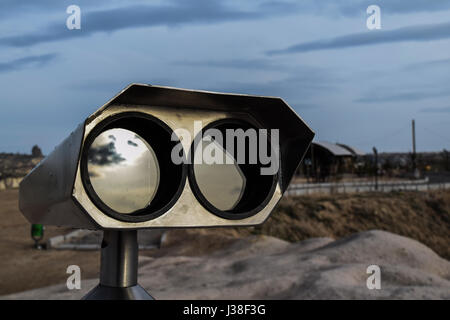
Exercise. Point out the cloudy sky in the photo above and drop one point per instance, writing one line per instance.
(352, 85)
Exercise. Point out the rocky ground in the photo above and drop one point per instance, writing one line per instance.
(261, 267)
(423, 216)
(293, 255)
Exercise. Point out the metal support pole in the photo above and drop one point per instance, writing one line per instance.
(119, 268)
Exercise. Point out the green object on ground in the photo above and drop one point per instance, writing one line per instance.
(37, 231)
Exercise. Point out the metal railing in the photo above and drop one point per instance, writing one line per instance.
(365, 186)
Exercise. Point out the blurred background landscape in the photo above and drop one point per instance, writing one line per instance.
(374, 187)
(413, 210)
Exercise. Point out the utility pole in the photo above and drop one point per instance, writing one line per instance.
(375, 152)
(414, 146)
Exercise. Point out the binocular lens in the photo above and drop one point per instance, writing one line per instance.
(123, 170)
(226, 174)
(223, 184)
(127, 170)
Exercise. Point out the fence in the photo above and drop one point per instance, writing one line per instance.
(369, 186)
(326, 188)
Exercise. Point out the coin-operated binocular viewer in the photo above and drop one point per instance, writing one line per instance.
(158, 157)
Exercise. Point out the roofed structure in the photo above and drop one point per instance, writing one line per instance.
(335, 149)
(355, 151)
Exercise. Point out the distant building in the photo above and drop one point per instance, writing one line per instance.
(354, 151)
(325, 159)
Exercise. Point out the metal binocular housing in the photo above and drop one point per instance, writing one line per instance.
(116, 171)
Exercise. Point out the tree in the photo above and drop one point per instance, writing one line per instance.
(36, 152)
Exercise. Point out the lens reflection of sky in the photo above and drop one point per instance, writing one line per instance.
(123, 170)
(221, 184)
(126, 143)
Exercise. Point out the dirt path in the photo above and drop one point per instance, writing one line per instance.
(21, 266)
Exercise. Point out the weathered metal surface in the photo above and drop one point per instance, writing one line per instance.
(45, 195)
(54, 194)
